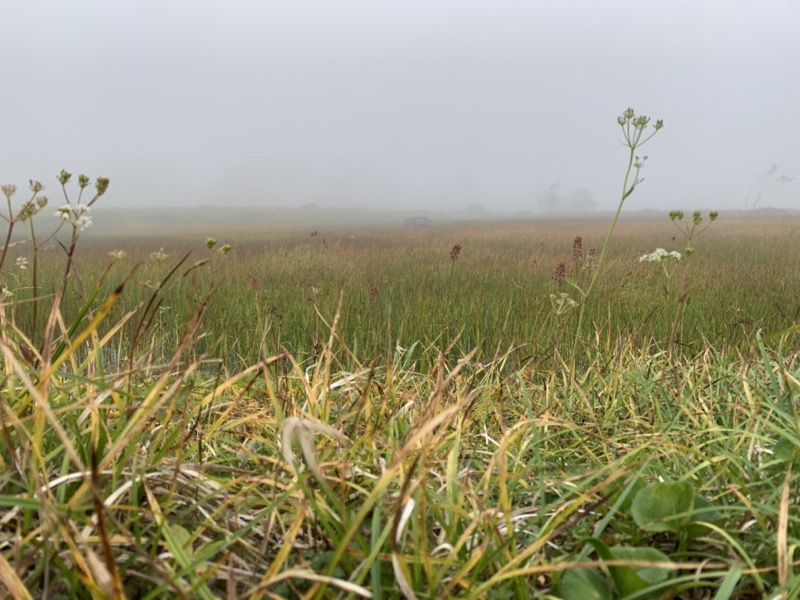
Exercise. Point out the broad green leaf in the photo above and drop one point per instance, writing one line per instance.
(704, 512)
(585, 584)
(633, 487)
(663, 506)
(632, 580)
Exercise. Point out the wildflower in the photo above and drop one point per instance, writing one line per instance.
(27, 210)
(577, 248)
(102, 185)
(36, 186)
(64, 212)
(83, 181)
(159, 256)
(255, 283)
(455, 251)
(64, 177)
(83, 222)
(591, 259)
(117, 254)
(562, 303)
(8, 190)
(660, 255)
(210, 243)
(22, 263)
(79, 215)
(224, 249)
(560, 274)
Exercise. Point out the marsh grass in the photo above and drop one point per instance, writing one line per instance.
(199, 437)
(400, 287)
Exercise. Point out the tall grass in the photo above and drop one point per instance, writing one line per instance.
(306, 436)
(357, 413)
(276, 290)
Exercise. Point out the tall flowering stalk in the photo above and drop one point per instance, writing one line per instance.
(689, 229)
(560, 273)
(455, 252)
(577, 250)
(76, 214)
(636, 132)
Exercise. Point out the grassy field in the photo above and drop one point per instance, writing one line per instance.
(279, 287)
(361, 411)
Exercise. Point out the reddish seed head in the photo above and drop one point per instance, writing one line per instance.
(560, 274)
(577, 248)
(454, 252)
(255, 283)
(591, 259)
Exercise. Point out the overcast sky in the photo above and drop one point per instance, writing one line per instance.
(421, 103)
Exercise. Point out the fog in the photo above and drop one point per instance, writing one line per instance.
(420, 104)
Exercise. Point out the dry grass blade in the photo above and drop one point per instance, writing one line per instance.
(311, 576)
(302, 431)
(111, 582)
(401, 520)
(783, 529)
(12, 582)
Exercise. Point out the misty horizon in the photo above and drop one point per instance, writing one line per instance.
(421, 106)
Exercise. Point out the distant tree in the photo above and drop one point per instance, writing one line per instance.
(764, 185)
(582, 200)
(552, 199)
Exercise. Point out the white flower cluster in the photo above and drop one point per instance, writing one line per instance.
(562, 303)
(79, 215)
(660, 255)
(159, 256)
(22, 263)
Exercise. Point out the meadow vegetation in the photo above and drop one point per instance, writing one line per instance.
(367, 411)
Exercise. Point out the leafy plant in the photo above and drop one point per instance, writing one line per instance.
(636, 134)
(660, 507)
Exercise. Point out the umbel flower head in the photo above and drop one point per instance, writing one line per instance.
(660, 255)
(159, 256)
(79, 215)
